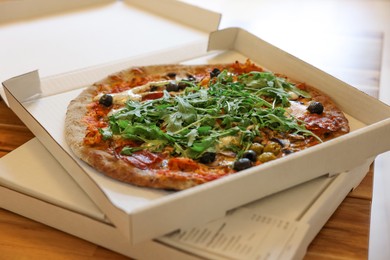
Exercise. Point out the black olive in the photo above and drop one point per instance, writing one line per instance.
(171, 87)
(207, 157)
(171, 75)
(251, 155)
(106, 100)
(242, 164)
(214, 73)
(315, 107)
(287, 151)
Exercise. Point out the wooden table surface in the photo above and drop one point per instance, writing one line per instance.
(345, 235)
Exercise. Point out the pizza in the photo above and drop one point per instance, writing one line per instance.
(177, 126)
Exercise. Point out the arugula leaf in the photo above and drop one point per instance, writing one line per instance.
(183, 114)
(174, 122)
(127, 150)
(193, 122)
(203, 144)
(191, 136)
(204, 130)
(187, 111)
(272, 86)
(106, 133)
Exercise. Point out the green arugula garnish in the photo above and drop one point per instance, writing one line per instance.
(194, 122)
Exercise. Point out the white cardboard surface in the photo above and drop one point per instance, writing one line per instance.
(310, 203)
(40, 170)
(61, 36)
(145, 213)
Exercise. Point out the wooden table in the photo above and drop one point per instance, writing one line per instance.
(345, 235)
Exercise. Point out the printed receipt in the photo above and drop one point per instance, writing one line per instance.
(242, 234)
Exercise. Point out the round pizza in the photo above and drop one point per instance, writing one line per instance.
(177, 126)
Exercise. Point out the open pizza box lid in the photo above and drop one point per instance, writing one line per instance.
(284, 223)
(60, 36)
(142, 213)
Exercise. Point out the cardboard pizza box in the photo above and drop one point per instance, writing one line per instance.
(66, 35)
(142, 213)
(69, 35)
(43, 195)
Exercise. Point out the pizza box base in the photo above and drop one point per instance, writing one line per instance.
(143, 214)
(44, 197)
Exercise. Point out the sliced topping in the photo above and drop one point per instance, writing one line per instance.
(152, 95)
(142, 159)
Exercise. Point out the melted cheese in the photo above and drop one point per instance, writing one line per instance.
(134, 94)
(297, 109)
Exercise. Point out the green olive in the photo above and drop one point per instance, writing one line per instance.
(257, 147)
(266, 157)
(272, 147)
